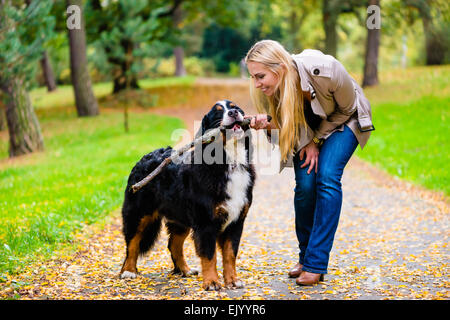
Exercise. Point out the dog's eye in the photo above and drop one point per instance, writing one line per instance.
(240, 110)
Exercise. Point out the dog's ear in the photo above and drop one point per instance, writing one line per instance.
(203, 127)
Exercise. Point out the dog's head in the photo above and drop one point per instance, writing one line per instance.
(227, 114)
(229, 117)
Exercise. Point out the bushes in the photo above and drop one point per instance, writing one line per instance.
(199, 67)
(165, 67)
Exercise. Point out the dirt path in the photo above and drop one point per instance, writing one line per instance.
(392, 243)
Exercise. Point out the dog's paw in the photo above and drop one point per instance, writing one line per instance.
(190, 272)
(185, 273)
(128, 275)
(211, 285)
(235, 284)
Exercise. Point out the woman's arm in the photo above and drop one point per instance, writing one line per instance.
(311, 151)
(259, 121)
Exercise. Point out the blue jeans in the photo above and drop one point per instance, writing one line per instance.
(318, 200)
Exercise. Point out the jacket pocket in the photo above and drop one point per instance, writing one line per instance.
(321, 70)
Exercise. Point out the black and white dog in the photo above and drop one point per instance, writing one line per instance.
(211, 199)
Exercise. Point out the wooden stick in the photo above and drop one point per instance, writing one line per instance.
(135, 187)
(203, 139)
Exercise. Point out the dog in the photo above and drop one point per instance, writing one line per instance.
(211, 200)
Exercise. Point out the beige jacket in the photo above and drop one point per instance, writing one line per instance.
(335, 97)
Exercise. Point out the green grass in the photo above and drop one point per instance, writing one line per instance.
(411, 141)
(78, 180)
(411, 110)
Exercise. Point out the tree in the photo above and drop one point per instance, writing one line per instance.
(437, 42)
(330, 13)
(23, 31)
(224, 45)
(178, 51)
(2, 116)
(331, 9)
(224, 40)
(372, 46)
(85, 100)
(47, 70)
(124, 32)
(24, 130)
(296, 14)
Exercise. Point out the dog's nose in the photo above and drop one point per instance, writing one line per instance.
(233, 113)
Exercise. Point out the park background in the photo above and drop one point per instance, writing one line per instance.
(77, 107)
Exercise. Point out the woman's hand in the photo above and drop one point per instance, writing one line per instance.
(312, 156)
(259, 121)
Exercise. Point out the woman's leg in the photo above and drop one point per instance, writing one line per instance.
(334, 155)
(304, 204)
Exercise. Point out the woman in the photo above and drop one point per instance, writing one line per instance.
(321, 114)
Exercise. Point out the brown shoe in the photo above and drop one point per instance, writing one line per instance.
(308, 278)
(296, 271)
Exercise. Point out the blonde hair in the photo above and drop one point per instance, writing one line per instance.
(286, 104)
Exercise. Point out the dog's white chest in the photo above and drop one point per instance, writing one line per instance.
(239, 180)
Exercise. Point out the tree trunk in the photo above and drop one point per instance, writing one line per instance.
(371, 57)
(434, 45)
(180, 71)
(120, 83)
(294, 23)
(124, 80)
(2, 116)
(24, 130)
(178, 51)
(86, 103)
(47, 71)
(330, 16)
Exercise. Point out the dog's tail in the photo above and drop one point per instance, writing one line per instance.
(150, 235)
(140, 232)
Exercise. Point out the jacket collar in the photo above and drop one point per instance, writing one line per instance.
(304, 76)
(305, 84)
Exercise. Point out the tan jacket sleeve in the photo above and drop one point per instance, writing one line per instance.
(341, 86)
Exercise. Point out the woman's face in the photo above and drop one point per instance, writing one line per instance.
(263, 78)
